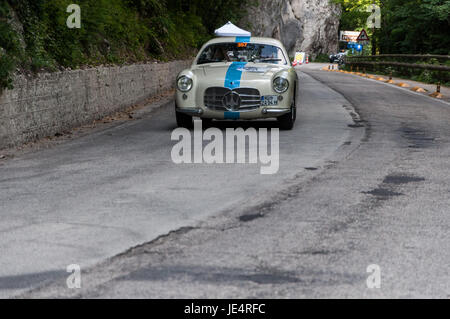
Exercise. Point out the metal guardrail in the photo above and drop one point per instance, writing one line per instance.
(366, 60)
(413, 56)
(431, 67)
(442, 72)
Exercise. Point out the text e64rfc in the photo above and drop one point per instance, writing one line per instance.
(235, 308)
(229, 310)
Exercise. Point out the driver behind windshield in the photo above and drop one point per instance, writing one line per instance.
(220, 55)
(241, 52)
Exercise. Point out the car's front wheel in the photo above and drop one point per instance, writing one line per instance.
(184, 120)
(286, 121)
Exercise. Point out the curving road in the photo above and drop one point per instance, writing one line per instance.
(363, 180)
(92, 198)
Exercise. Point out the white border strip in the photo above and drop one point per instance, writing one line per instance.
(393, 86)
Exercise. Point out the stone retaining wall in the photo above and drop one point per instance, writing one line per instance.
(54, 102)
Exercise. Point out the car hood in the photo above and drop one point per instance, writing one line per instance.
(216, 74)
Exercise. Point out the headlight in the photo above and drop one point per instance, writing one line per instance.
(280, 85)
(184, 83)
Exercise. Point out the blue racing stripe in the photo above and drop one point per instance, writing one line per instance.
(231, 115)
(242, 39)
(234, 75)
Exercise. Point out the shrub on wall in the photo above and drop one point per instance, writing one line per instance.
(112, 31)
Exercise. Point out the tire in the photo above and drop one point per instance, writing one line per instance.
(184, 120)
(286, 121)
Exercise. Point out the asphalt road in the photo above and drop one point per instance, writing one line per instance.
(353, 190)
(95, 197)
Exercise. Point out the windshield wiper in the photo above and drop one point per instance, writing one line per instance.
(269, 59)
(264, 60)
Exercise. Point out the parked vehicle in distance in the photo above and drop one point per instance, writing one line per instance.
(338, 58)
(238, 78)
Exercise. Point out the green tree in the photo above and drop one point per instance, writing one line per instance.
(408, 26)
(354, 15)
(113, 31)
(416, 26)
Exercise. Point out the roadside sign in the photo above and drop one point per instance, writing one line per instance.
(349, 36)
(300, 57)
(355, 46)
(363, 37)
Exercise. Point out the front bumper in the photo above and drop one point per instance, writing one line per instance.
(260, 113)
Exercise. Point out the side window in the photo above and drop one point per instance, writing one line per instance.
(269, 52)
(215, 53)
(206, 55)
(272, 52)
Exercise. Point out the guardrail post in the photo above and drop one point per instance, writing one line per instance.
(390, 78)
(437, 94)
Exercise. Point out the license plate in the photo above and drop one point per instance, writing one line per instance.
(269, 100)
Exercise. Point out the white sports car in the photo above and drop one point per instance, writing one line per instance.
(236, 78)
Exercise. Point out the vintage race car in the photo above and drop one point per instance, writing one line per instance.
(235, 78)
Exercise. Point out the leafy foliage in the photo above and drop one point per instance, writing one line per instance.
(322, 58)
(408, 26)
(112, 31)
(413, 26)
(9, 47)
(354, 15)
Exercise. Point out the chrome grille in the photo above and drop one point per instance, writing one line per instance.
(250, 99)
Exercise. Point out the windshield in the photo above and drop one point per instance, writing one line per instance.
(242, 52)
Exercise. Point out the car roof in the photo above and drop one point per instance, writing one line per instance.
(260, 40)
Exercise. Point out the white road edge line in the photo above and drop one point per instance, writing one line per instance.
(403, 89)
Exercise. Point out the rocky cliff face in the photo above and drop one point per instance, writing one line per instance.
(302, 25)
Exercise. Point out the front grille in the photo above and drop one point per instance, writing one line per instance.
(250, 99)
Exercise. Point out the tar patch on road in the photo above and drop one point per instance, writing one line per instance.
(322, 252)
(417, 138)
(250, 217)
(356, 125)
(398, 179)
(383, 193)
(267, 279)
(210, 275)
(228, 275)
(388, 188)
